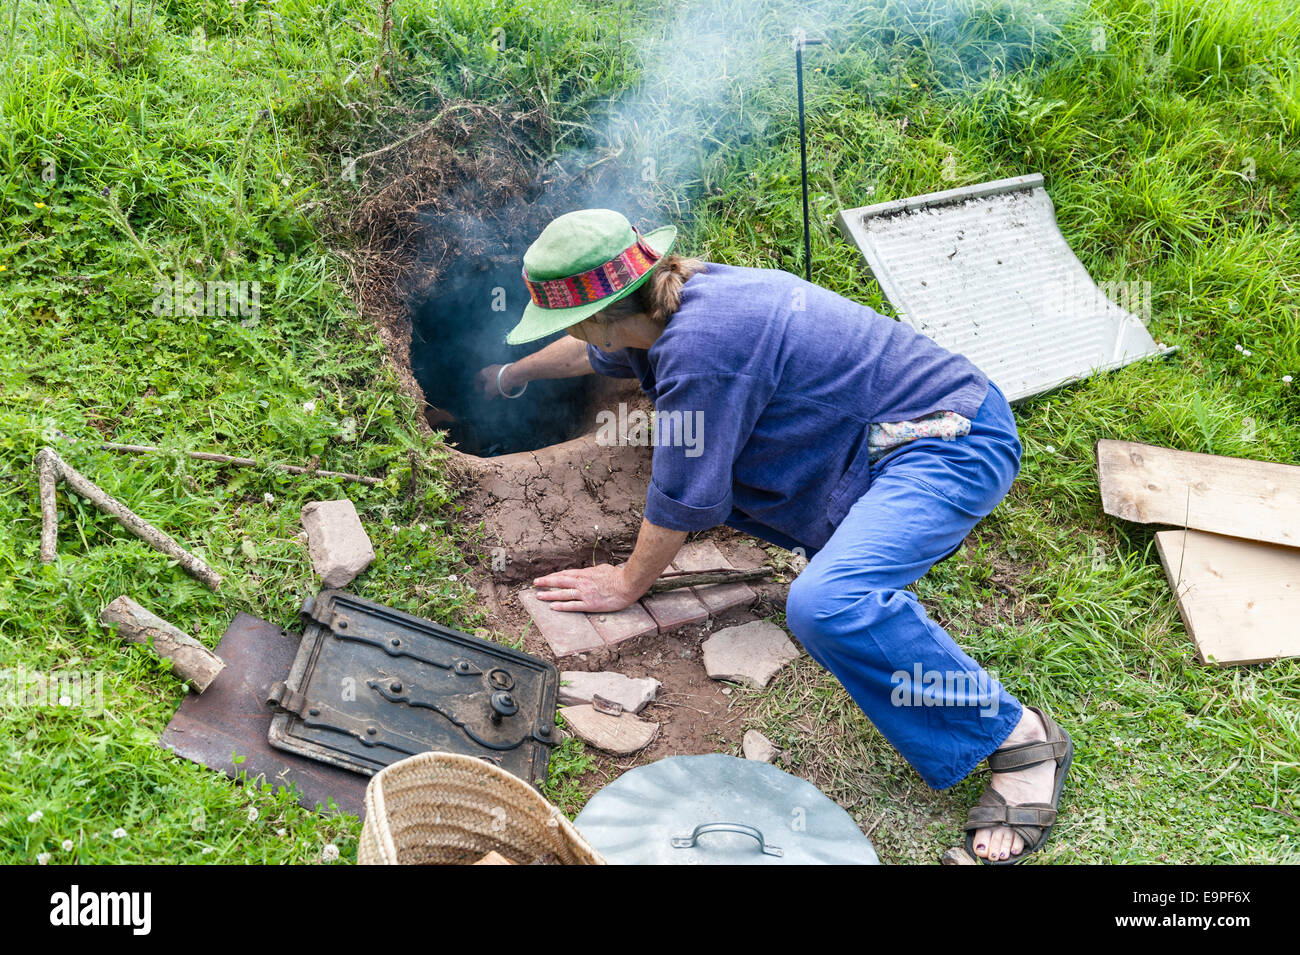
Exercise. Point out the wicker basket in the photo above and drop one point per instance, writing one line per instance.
(449, 809)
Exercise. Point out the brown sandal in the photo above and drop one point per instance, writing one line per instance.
(1032, 821)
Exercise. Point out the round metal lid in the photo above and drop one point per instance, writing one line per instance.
(719, 810)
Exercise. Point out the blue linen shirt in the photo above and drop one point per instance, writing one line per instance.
(784, 379)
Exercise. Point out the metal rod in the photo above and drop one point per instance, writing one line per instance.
(800, 42)
(803, 163)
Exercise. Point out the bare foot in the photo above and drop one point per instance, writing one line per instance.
(1033, 784)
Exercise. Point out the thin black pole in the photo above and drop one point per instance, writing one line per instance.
(803, 162)
(800, 42)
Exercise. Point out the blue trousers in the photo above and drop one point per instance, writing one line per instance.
(939, 708)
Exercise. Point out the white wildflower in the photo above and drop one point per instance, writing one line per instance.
(67, 845)
(309, 406)
(1245, 352)
(269, 498)
(1238, 347)
(1050, 449)
(35, 817)
(330, 853)
(282, 832)
(43, 859)
(119, 833)
(452, 578)
(207, 849)
(65, 701)
(1286, 379)
(252, 814)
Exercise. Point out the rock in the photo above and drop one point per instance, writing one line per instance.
(614, 734)
(758, 747)
(579, 686)
(336, 541)
(752, 653)
(958, 855)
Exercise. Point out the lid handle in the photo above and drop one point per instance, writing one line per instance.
(689, 842)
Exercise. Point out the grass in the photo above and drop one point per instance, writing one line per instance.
(207, 138)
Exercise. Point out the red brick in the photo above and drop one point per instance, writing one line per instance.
(566, 632)
(704, 555)
(624, 625)
(675, 608)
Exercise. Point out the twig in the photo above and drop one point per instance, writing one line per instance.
(418, 131)
(242, 462)
(47, 475)
(46, 459)
(1260, 805)
(189, 659)
(677, 579)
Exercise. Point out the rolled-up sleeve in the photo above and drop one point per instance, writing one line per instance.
(612, 364)
(702, 423)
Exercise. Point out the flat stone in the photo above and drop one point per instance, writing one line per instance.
(751, 653)
(622, 625)
(566, 632)
(675, 608)
(338, 544)
(758, 747)
(704, 555)
(579, 686)
(614, 734)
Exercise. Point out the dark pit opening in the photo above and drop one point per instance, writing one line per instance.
(456, 332)
(459, 324)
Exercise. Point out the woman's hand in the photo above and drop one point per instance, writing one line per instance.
(487, 383)
(600, 589)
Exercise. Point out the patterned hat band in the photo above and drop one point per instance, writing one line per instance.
(601, 282)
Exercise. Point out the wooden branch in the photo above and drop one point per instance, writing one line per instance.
(141, 528)
(241, 462)
(190, 660)
(47, 475)
(680, 578)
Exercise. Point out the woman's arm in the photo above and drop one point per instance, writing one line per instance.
(606, 588)
(563, 358)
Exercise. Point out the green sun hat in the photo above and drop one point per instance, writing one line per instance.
(582, 262)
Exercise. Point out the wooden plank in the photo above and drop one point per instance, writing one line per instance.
(1239, 599)
(1233, 496)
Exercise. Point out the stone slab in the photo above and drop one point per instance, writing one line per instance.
(752, 653)
(567, 633)
(622, 625)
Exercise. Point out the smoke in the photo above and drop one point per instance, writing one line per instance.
(712, 82)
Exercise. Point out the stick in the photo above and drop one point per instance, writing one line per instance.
(190, 660)
(124, 516)
(677, 579)
(47, 475)
(242, 462)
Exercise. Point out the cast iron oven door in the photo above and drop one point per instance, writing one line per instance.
(371, 685)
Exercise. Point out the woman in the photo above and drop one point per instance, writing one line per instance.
(823, 427)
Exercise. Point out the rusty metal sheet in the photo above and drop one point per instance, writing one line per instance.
(231, 719)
